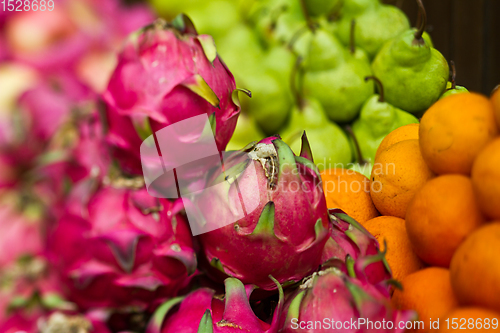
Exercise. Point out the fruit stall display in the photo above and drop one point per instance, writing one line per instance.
(374, 176)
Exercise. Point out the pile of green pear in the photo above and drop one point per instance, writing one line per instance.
(348, 72)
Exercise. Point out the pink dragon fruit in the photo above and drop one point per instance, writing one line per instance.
(166, 73)
(29, 295)
(42, 132)
(349, 240)
(31, 301)
(36, 111)
(29, 288)
(52, 103)
(332, 300)
(55, 31)
(76, 153)
(21, 246)
(36, 321)
(121, 247)
(59, 37)
(73, 322)
(20, 235)
(203, 311)
(285, 225)
(40, 317)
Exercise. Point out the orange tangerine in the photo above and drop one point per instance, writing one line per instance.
(475, 268)
(350, 191)
(486, 179)
(454, 130)
(439, 217)
(398, 172)
(429, 293)
(407, 132)
(400, 255)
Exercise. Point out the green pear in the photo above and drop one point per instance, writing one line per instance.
(271, 99)
(428, 39)
(320, 49)
(356, 51)
(214, 17)
(414, 74)
(321, 7)
(357, 7)
(246, 131)
(279, 60)
(376, 23)
(330, 24)
(276, 21)
(170, 9)
(328, 142)
(377, 119)
(307, 116)
(360, 164)
(341, 90)
(451, 87)
(333, 75)
(361, 55)
(241, 51)
(289, 23)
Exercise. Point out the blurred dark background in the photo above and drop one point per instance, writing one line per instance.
(467, 32)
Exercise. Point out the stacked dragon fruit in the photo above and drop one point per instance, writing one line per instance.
(85, 246)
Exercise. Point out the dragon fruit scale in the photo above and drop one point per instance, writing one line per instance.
(203, 311)
(286, 222)
(166, 73)
(333, 300)
(120, 247)
(349, 240)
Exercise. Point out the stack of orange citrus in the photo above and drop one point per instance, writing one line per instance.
(349, 190)
(438, 185)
